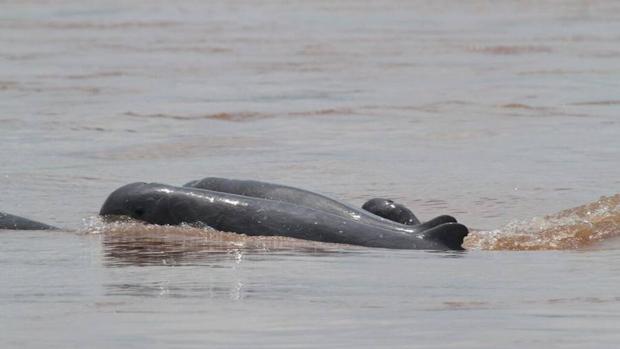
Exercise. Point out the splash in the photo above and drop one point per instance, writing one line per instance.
(130, 242)
(574, 228)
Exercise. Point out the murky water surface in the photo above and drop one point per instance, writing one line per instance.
(500, 114)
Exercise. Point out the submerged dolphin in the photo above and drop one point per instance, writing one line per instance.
(316, 201)
(9, 221)
(168, 205)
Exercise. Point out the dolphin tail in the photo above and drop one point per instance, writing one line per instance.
(449, 234)
(437, 221)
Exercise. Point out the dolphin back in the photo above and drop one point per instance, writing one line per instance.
(12, 222)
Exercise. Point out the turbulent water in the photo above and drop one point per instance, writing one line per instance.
(580, 227)
(503, 114)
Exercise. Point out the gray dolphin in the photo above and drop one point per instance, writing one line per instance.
(12, 222)
(169, 205)
(272, 191)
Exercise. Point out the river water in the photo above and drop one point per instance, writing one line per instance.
(499, 113)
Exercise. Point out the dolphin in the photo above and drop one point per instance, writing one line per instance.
(169, 205)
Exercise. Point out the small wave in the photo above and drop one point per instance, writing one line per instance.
(82, 25)
(189, 147)
(519, 106)
(575, 228)
(510, 49)
(329, 111)
(598, 103)
(235, 117)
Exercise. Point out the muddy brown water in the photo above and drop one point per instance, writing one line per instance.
(503, 114)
